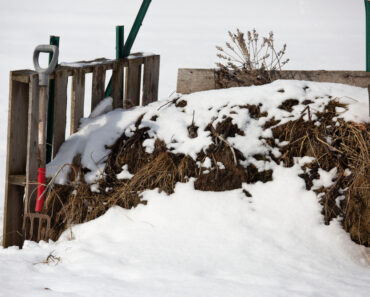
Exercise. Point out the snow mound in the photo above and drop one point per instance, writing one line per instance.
(170, 121)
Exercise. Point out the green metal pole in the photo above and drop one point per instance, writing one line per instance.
(54, 40)
(130, 39)
(367, 7)
(120, 37)
(135, 27)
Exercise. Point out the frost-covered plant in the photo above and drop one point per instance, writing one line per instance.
(251, 56)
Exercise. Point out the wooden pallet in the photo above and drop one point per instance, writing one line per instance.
(22, 141)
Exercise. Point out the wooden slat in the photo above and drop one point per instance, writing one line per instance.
(117, 85)
(77, 99)
(19, 180)
(60, 110)
(32, 144)
(98, 86)
(132, 85)
(195, 80)
(16, 162)
(151, 79)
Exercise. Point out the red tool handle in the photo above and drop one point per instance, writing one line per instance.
(40, 189)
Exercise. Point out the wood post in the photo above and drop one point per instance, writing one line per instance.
(151, 79)
(132, 85)
(77, 99)
(16, 162)
(117, 85)
(60, 110)
(98, 86)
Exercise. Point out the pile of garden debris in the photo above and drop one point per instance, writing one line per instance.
(307, 128)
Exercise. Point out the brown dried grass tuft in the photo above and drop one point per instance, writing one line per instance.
(349, 147)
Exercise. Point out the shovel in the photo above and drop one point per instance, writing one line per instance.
(36, 226)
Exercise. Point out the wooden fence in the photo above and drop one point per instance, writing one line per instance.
(22, 142)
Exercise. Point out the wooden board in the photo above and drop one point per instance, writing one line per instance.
(32, 144)
(60, 110)
(195, 80)
(132, 85)
(16, 162)
(117, 85)
(151, 79)
(77, 99)
(98, 86)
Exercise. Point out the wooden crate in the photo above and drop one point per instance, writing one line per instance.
(22, 142)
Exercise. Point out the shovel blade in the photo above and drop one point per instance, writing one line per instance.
(36, 226)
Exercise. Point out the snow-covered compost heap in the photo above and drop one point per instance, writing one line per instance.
(221, 140)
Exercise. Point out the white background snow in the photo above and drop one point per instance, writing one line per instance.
(327, 34)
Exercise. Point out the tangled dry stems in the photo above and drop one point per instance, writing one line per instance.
(246, 62)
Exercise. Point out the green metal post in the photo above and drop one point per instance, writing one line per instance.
(120, 37)
(135, 27)
(367, 7)
(125, 51)
(54, 40)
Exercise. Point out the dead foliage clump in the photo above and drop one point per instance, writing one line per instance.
(248, 61)
(161, 169)
(334, 143)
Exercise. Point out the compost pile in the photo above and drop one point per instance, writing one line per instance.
(310, 128)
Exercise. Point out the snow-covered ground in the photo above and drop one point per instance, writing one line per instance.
(196, 244)
(143, 254)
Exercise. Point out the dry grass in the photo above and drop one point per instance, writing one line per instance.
(248, 60)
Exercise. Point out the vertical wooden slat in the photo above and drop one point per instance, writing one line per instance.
(132, 85)
(151, 79)
(98, 86)
(60, 109)
(117, 84)
(16, 162)
(77, 99)
(32, 144)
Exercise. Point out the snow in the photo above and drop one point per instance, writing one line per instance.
(125, 173)
(194, 243)
(326, 178)
(190, 243)
(171, 123)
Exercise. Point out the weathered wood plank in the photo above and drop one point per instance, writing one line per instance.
(117, 84)
(60, 110)
(98, 86)
(132, 85)
(77, 99)
(195, 80)
(19, 180)
(151, 79)
(16, 162)
(32, 144)
(353, 78)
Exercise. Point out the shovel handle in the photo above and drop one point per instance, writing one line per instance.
(44, 72)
